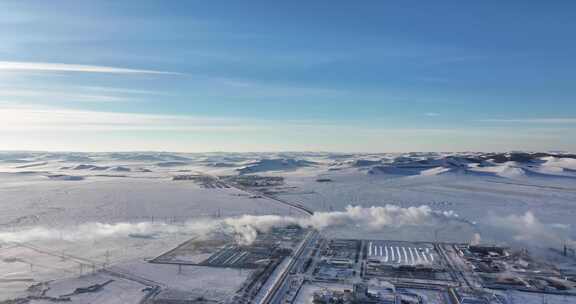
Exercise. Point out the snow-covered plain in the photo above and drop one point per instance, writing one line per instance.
(60, 210)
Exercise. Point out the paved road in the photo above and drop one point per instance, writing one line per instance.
(281, 285)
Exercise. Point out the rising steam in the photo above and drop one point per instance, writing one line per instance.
(91, 231)
(245, 228)
(371, 219)
(527, 228)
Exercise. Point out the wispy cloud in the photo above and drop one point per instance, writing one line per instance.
(59, 96)
(34, 117)
(119, 90)
(79, 68)
(550, 120)
(432, 114)
(30, 118)
(36, 127)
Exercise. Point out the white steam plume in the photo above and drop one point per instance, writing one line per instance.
(371, 219)
(376, 218)
(91, 231)
(527, 228)
(247, 227)
(476, 239)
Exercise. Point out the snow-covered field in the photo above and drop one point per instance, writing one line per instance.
(119, 291)
(62, 210)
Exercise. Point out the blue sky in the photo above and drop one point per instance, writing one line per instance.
(287, 75)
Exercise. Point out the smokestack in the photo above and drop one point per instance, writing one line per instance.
(476, 239)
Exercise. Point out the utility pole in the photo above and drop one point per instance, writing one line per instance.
(107, 258)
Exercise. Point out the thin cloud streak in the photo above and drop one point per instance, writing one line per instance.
(53, 120)
(28, 119)
(65, 67)
(55, 96)
(566, 120)
(34, 127)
